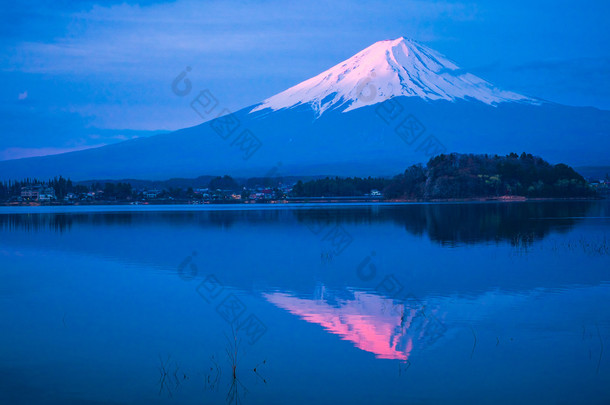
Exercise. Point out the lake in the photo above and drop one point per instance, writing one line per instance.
(459, 303)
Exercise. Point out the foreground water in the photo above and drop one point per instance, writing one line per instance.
(422, 303)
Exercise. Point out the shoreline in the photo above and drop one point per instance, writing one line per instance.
(231, 206)
(300, 200)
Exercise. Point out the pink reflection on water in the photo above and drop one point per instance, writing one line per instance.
(371, 322)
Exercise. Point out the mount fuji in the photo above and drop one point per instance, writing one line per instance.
(388, 69)
(393, 104)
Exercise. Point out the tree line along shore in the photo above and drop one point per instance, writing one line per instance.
(445, 177)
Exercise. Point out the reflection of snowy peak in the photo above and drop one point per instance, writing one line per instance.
(387, 69)
(373, 323)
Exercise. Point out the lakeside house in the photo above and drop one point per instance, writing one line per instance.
(152, 194)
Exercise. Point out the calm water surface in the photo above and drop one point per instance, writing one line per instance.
(423, 303)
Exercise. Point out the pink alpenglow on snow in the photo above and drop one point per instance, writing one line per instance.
(372, 323)
(386, 69)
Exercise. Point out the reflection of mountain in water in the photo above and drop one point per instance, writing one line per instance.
(278, 249)
(387, 328)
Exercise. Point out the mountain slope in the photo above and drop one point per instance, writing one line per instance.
(416, 105)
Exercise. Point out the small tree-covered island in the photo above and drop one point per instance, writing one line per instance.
(463, 176)
(445, 177)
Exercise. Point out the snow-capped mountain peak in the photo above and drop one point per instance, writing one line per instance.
(386, 69)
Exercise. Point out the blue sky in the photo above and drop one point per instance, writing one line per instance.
(77, 74)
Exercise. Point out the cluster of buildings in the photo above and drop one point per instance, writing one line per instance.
(256, 194)
(38, 193)
(42, 193)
